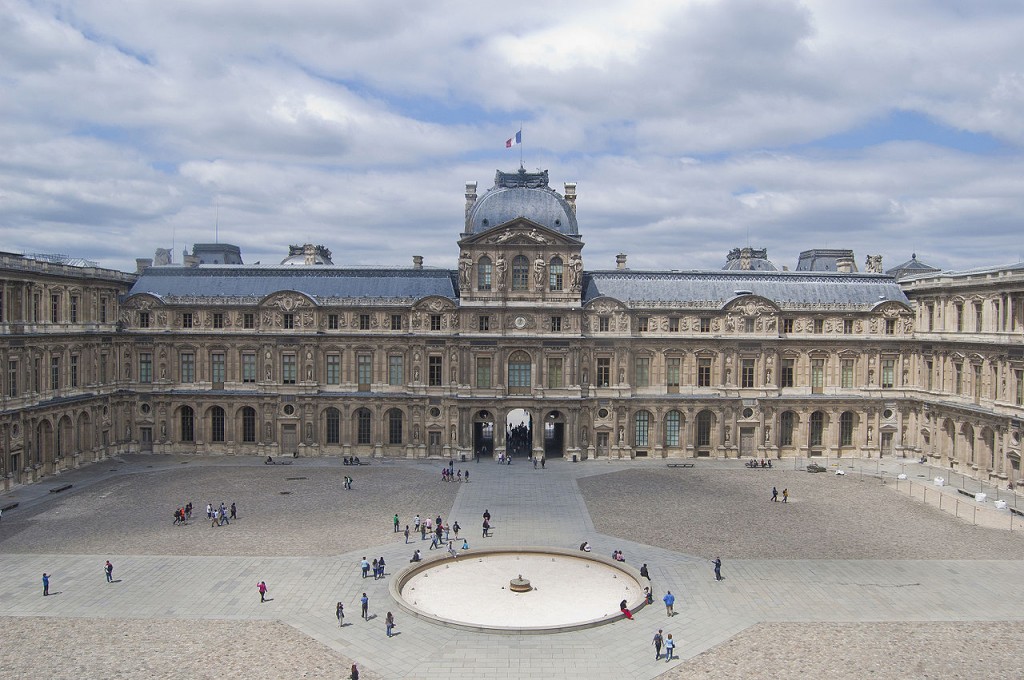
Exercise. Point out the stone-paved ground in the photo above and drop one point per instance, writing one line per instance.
(133, 514)
(35, 647)
(728, 513)
(882, 651)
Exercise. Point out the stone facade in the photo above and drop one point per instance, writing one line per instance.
(518, 349)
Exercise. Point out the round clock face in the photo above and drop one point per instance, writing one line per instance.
(520, 322)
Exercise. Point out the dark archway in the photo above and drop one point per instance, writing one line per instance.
(483, 434)
(519, 433)
(554, 435)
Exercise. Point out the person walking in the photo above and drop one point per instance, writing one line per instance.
(375, 569)
(262, 587)
(775, 495)
(718, 568)
(234, 511)
(451, 550)
(365, 566)
(487, 526)
(670, 648)
(380, 565)
(108, 569)
(396, 522)
(407, 534)
(467, 472)
(340, 613)
(46, 584)
(389, 623)
(416, 522)
(669, 601)
(456, 528)
(785, 495)
(364, 601)
(658, 640)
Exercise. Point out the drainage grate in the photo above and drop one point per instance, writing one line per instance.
(292, 479)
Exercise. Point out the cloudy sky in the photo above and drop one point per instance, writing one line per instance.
(691, 127)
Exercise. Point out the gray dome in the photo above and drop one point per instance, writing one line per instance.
(749, 259)
(522, 194)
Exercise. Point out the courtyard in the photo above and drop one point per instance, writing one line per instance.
(848, 578)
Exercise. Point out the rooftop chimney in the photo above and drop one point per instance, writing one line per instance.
(417, 262)
(620, 261)
(142, 263)
(844, 265)
(570, 195)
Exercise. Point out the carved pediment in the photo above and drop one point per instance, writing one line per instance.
(434, 304)
(519, 232)
(752, 305)
(287, 301)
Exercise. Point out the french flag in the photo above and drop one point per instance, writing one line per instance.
(518, 139)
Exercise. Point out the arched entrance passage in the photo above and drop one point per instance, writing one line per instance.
(519, 433)
(483, 434)
(554, 435)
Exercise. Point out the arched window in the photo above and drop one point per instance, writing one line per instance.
(249, 425)
(846, 422)
(217, 424)
(641, 428)
(363, 426)
(394, 426)
(333, 425)
(787, 423)
(555, 273)
(188, 424)
(672, 420)
(519, 373)
(816, 435)
(520, 273)
(483, 273)
(704, 422)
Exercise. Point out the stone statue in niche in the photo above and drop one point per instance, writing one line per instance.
(500, 268)
(415, 434)
(576, 271)
(309, 433)
(267, 432)
(538, 273)
(465, 270)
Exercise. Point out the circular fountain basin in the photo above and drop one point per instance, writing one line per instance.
(568, 590)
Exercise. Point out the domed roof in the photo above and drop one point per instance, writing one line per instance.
(522, 194)
(749, 259)
(306, 255)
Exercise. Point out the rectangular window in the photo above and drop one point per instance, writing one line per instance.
(435, 322)
(977, 317)
(748, 325)
(248, 367)
(188, 367)
(604, 371)
(145, 367)
(333, 376)
(288, 322)
(289, 369)
(642, 324)
(960, 318)
(888, 373)
(672, 372)
(396, 322)
(819, 326)
(483, 371)
(555, 372)
(817, 376)
(435, 375)
(12, 378)
(248, 320)
(73, 309)
(931, 318)
(73, 382)
(218, 320)
(642, 372)
(218, 367)
(54, 308)
(1020, 387)
(103, 310)
(846, 374)
(484, 323)
(364, 371)
(186, 320)
(703, 372)
(929, 368)
(977, 382)
(556, 324)
(364, 322)
(396, 369)
(54, 373)
(603, 323)
(787, 326)
(847, 326)
(890, 326)
(332, 322)
(103, 369)
(788, 370)
(958, 378)
(673, 324)
(143, 319)
(747, 373)
(705, 324)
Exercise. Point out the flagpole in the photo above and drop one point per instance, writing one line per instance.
(520, 143)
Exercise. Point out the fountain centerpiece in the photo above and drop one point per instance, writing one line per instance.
(520, 585)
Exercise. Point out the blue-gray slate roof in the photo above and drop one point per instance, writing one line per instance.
(712, 290)
(249, 284)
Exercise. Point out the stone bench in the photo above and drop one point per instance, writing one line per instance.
(9, 506)
(966, 493)
(1015, 511)
(58, 489)
(680, 465)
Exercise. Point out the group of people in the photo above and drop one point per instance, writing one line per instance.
(618, 556)
(447, 474)
(182, 514)
(765, 463)
(354, 460)
(377, 566)
(220, 516)
(775, 495)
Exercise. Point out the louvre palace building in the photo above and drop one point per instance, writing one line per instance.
(521, 349)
